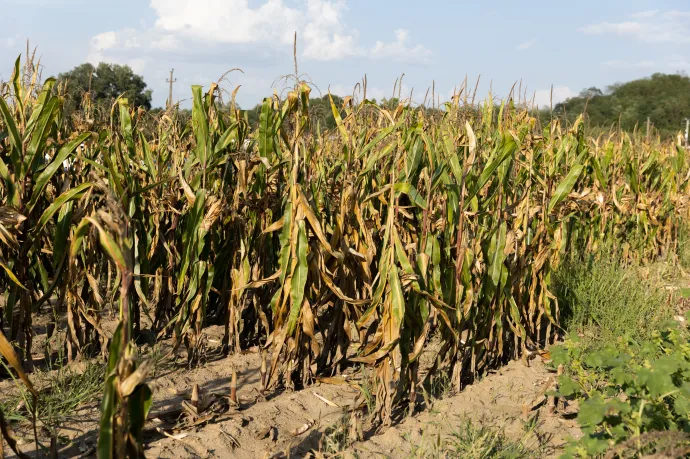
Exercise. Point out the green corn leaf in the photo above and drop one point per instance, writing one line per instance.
(79, 233)
(498, 256)
(47, 173)
(599, 173)
(40, 133)
(148, 159)
(397, 298)
(412, 193)
(138, 406)
(15, 139)
(380, 137)
(37, 107)
(266, 132)
(11, 275)
(200, 125)
(515, 316)
(226, 139)
(374, 160)
(339, 121)
(566, 186)
(10, 187)
(110, 246)
(506, 150)
(69, 195)
(404, 261)
(17, 85)
(109, 400)
(299, 277)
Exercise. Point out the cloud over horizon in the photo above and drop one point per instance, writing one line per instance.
(647, 27)
(269, 27)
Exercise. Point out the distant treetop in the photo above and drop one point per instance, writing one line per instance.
(106, 82)
(663, 98)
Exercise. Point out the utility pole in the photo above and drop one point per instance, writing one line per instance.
(170, 94)
(648, 122)
(687, 130)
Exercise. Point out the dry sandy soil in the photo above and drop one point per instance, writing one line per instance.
(311, 422)
(300, 423)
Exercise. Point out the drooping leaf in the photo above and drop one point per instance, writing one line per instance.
(411, 191)
(566, 186)
(47, 173)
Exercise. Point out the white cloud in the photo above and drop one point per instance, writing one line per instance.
(8, 42)
(132, 41)
(399, 50)
(322, 32)
(648, 27)
(104, 41)
(228, 21)
(137, 65)
(166, 42)
(620, 64)
(644, 14)
(526, 45)
(542, 97)
(325, 35)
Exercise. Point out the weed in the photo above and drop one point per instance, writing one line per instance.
(367, 388)
(63, 392)
(605, 301)
(468, 441)
(66, 390)
(683, 250)
(337, 438)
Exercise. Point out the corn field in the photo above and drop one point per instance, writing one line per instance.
(326, 249)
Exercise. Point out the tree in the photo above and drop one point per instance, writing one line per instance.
(591, 92)
(389, 104)
(106, 82)
(663, 98)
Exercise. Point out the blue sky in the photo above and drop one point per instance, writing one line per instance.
(570, 45)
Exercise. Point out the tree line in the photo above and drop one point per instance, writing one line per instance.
(663, 99)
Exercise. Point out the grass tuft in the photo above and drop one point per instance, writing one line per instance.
(61, 394)
(470, 441)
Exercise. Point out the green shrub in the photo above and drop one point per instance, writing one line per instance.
(634, 396)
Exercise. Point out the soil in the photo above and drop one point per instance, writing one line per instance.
(299, 423)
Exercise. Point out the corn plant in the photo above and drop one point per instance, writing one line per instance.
(327, 249)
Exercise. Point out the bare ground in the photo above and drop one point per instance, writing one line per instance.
(298, 423)
(314, 421)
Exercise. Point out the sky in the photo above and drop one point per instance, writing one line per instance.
(565, 45)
